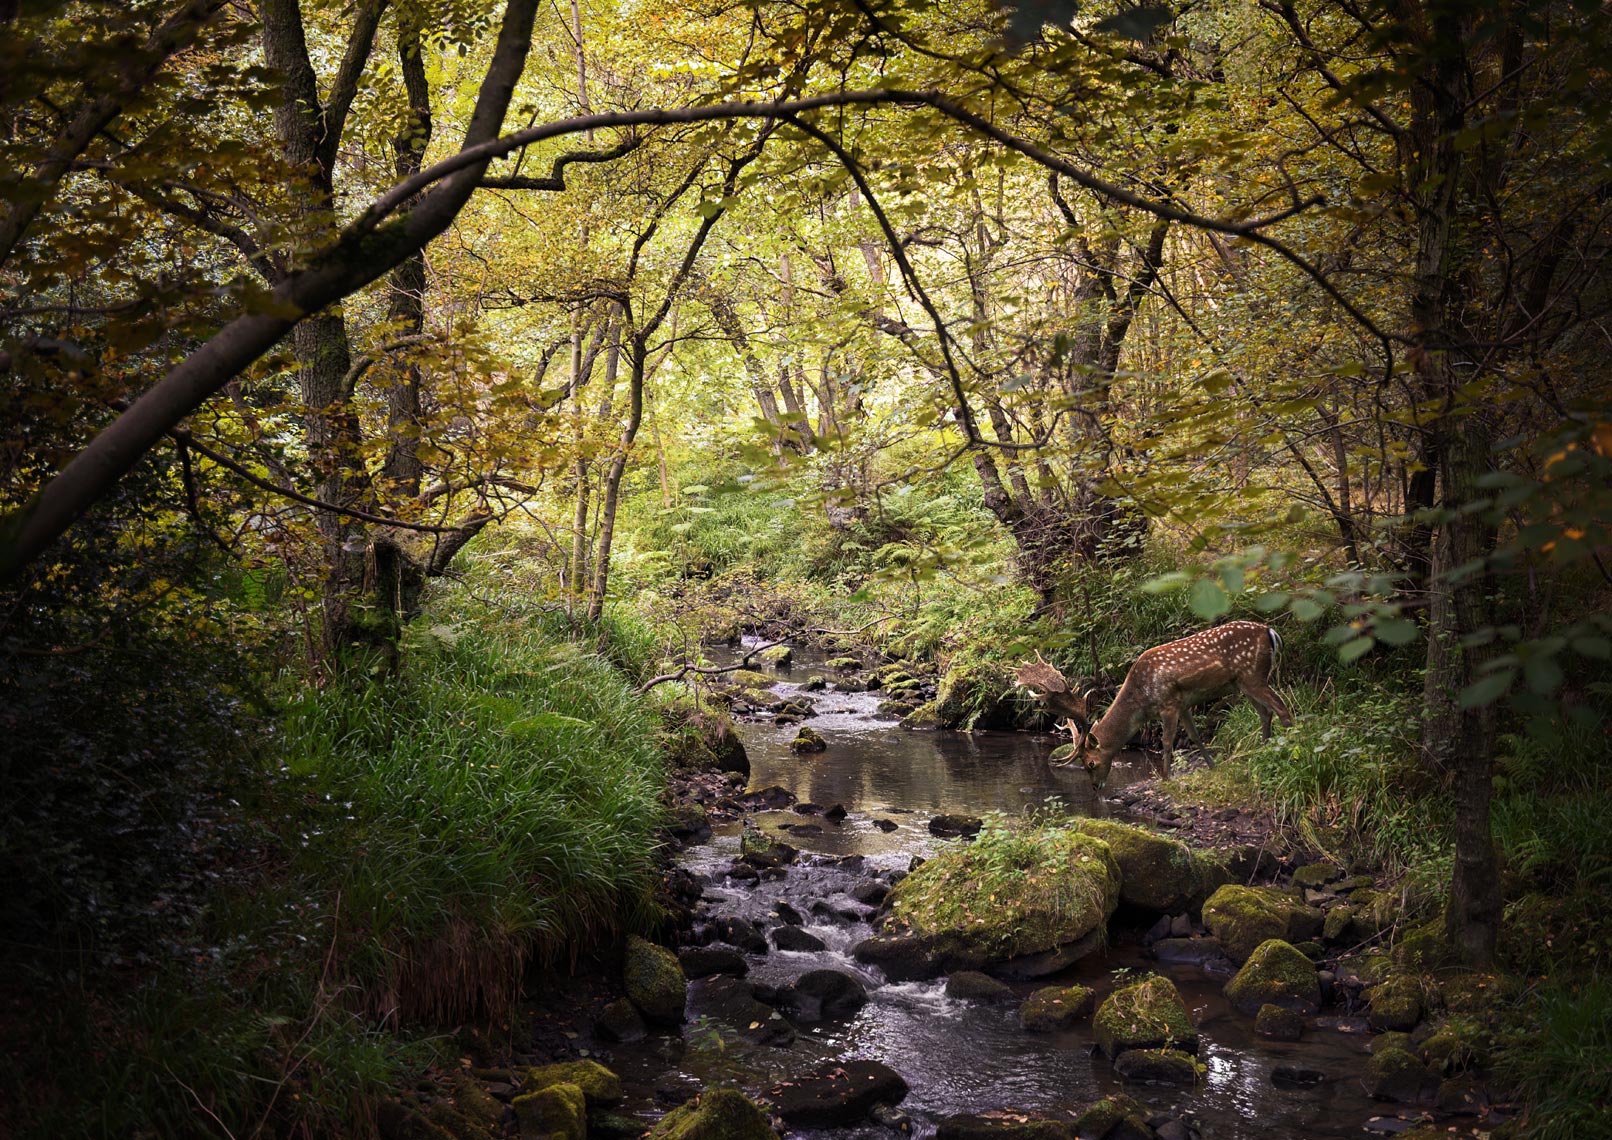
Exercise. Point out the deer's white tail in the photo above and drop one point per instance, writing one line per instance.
(1276, 649)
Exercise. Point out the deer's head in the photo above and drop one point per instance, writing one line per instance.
(1091, 755)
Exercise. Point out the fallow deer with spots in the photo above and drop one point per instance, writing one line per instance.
(1165, 682)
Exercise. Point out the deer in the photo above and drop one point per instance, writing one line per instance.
(1166, 681)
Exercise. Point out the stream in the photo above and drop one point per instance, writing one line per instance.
(957, 1056)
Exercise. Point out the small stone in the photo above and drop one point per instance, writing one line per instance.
(1157, 1067)
(807, 740)
(835, 813)
(1315, 875)
(885, 825)
(972, 985)
(1055, 1007)
(619, 1021)
(741, 932)
(787, 913)
(870, 892)
(1278, 1024)
(950, 824)
(1294, 1077)
(793, 938)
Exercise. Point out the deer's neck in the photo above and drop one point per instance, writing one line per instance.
(1123, 718)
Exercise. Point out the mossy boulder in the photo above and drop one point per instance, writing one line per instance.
(896, 709)
(717, 1114)
(558, 1112)
(925, 716)
(779, 655)
(1148, 1014)
(1456, 1046)
(1157, 1067)
(1425, 948)
(1114, 1118)
(1278, 1024)
(599, 1085)
(1056, 1007)
(753, 679)
(759, 849)
(807, 740)
(974, 694)
(1275, 974)
(1394, 1074)
(1316, 875)
(845, 662)
(1156, 874)
(1396, 1003)
(655, 982)
(814, 684)
(1244, 917)
(1007, 896)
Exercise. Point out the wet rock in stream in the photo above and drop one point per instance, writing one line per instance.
(837, 1094)
(793, 938)
(972, 985)
(950, 825)
(741, 932)
(704, 961)
(732, 1001)
(1003, 1125)
(825, 995)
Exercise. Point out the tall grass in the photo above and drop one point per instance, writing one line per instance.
(1558, 1060)
(494, 803)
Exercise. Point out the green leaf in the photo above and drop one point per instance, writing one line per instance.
(1307, 609)
(1589, 645)
(1395, 631)
(1354, 650)
(1232, 576)
(1207, 599)
(1270, 603)
(1543, 674)
(1487, 690)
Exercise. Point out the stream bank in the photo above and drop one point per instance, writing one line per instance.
(787, 874)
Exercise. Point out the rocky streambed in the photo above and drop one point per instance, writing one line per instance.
(861, 959)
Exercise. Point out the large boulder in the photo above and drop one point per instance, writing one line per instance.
(1396, 1004)
(1008, 896)
(1157, 874)
(733, 1001)
(1148, 1014)
(1055, 1007)
(1394, 1074)
(837, 1094)
(1114, 1118)
(1275, 974)
(655, 982)
(718, 1114)
(826, 995)
(1243, 917)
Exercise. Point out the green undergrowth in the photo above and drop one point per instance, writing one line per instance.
(494, 803)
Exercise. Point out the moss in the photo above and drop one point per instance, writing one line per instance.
(1243, 917)
(1275, 974)
(1158, 1067)
(843, 663)
(1315, 875)
(1337, 924)
(779, 655)
(973, 694)
(1393, 1074)
(1009, 894)
(1456, 1046)
(598, 1084)
(1148, 1014)
(655, 982)
(1396, 1003)
(924, 716)
(1111, 1114)
(718, 1114)
(1278, 1024)
(807, 740)
(1055, 1007)
(1424, 948)
(558, 1112)
(1156, 873)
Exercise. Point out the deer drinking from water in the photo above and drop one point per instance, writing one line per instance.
(1165, 682)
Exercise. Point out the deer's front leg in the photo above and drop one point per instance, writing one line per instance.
(1171, 716)
(1195, 737)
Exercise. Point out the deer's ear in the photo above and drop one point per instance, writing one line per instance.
(1091, 740)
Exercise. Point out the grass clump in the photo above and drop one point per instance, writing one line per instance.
(1557, 1059)
(497, 802)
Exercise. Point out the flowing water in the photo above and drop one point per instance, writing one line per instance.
(957, 1056)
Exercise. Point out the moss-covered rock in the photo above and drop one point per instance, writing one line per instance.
(1393, 1074)
(1157, 1067)
(925, 716)
(1156, 874)
(1003, 1125)
(1337, 924)
(1008, 895)
(1275, 974)
(807, 740)
(1315, 875)
(1148, 1014)
(752, 679)
(779, 655)
(973, 694)
(844, 662)
(601, 1087)
(1113, 1118)
(1396, 1003)
(814, 684)
(896, 709)
(655, 982)
(759, 849)
(1278, 1024)
(1456, 1046)
(1425, 949)
(717, 1114)
(1243, 917)
(1055, 1007)
(558, 1112)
